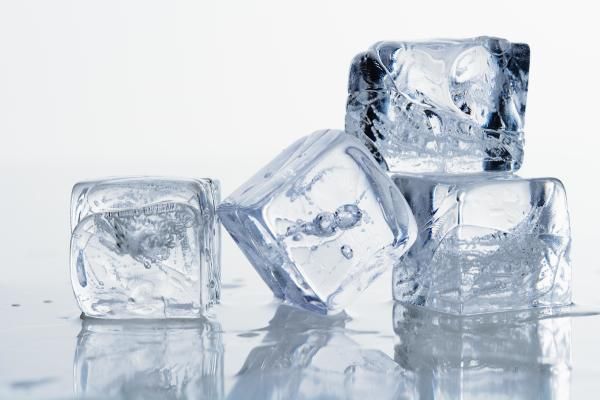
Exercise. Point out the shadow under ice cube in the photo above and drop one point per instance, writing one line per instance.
(486, 243)
(454, 106)
(145, 247)
(320, 222)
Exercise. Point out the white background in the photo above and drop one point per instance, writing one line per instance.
(91, 89)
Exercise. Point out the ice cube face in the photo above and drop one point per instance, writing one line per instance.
(486, 243)
(145, 247)
(320, 222)
(454, 106)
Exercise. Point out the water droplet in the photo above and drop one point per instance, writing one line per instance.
(347, 216)
(313, 248)
(212, 284)
(147, 264)
(325, 223)
(268, 175)
(347, 251)
(297, 237)
(292, 230)
(309, 229)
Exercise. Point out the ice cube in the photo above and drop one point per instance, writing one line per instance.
(486, 243)
(175, 359)
(320, 222)
(454, 106)
(145, 247)
(308, 356)
(513, 355)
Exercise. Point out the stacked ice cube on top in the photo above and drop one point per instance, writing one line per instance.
(444, 106)
(446, 119)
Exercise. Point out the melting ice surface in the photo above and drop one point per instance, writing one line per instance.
(453, 106)
(320, 222)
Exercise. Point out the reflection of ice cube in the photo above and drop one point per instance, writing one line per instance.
(441, 106)
(147, 360)
(485, 243)
(145, 247)
(513, 355)
(307, 356)
(320, 222)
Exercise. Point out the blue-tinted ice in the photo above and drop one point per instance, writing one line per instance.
(454, 106)
(486, 243)
(320, 222)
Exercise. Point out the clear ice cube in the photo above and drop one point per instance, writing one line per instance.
(320, 222)
(486, 243)
(520, 355)
(145, 247)
(175, 359)
(453, 106)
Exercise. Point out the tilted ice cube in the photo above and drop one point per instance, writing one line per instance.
(308, 356)
(145, 247)
(452, 106)
(512, 355)
(485, 243)
(175, 359)
(320, 222)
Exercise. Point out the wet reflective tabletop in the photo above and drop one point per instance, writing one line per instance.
(253, 347)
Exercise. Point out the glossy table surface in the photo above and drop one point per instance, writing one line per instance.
(253, 347)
